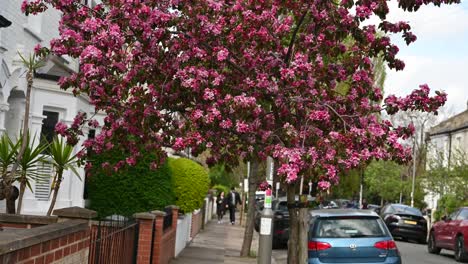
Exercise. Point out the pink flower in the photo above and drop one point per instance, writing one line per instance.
(324, 185)
(319, 115)
(179, 144)
(242, 127)
(222, 54)
(61, 129)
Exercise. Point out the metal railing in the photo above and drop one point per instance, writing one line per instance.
(113, 241)
(167, 219)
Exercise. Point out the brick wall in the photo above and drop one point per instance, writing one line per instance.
(197, 219)
(168, 241)
(8, 221)
(156, 245)
(69, 244)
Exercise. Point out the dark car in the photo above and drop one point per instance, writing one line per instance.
(350, 236)
(405, 222)
(280, 220)
(451, 233)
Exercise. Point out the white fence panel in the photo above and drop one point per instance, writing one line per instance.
(183, 233)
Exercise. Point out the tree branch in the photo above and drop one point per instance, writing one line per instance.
(287, 59)
(229, 61)
(336, 113)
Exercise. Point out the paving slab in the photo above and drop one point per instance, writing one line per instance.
(217, 243)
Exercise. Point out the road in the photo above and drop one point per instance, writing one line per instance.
(412, 253)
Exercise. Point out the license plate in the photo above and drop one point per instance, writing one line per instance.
(411, 222)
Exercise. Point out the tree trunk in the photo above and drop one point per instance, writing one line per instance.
(293, 226)
(303, 230)
(54, 197)
(20, 197)
(9, 182)
(249, 227)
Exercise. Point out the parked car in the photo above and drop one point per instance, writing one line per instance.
(350, 236)
(451, 233)
(374, 207)
(405, 222)
(280, 220)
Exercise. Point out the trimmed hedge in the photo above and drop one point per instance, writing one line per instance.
(191, 183)
(130, 190)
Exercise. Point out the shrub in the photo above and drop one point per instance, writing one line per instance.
(191, 183)
(448, 204)
(130, 190)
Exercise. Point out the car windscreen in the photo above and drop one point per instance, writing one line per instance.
(348, 227)
(283, 206)
(400, 209)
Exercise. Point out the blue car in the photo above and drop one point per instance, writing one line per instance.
(350, 236)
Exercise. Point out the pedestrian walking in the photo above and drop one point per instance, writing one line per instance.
(365, 205)
(220, 207)
(233, 199)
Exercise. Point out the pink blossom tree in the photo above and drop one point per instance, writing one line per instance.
(289, 79)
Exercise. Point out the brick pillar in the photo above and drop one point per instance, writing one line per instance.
(145, 233)
(175, 217)
(158, 234)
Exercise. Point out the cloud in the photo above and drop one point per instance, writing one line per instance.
(440, 55)
(432, 22)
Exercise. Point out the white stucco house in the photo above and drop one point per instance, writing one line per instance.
(448, 138)
(49, 104)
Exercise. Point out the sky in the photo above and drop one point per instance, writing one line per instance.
(438, 58)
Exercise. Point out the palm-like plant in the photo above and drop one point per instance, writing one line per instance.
(62, 159)
(28, 167)
(8, 152)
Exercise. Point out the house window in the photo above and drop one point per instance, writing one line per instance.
(92, 133)
(48, 126)
(42, 187)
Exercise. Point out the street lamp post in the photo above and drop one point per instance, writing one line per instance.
(414, 171)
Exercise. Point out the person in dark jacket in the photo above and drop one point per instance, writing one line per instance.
(232, 200)
(220, 207)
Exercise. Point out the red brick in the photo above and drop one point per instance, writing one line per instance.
(58, 254)
(40, 260)
(24, 253)
(49, 258)
(63, 241)
(71, 238)
(54, 244)
(74, 248)
(67, 251)
(31, 261)
(45, 246)
(36, 250)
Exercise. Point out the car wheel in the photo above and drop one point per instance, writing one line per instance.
(431, 245)
(460, 252)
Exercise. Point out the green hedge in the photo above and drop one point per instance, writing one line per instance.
(191, 183)
(130, 190)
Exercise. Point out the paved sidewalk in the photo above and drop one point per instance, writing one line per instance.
(217, 243)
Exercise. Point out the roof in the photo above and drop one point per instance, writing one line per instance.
(455, 123)
(342, 212)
